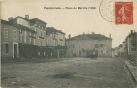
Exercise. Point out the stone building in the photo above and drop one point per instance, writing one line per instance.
(9, 40)
(85, 44)
(55, 42)
(25, 37)
(40, 27)
(128, 49)
(120, 51)
(131, 41)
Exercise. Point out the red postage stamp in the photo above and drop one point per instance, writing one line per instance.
(124, 12)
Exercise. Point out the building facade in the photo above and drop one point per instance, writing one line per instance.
(24, 37)
(86, 44)
(9, 40)
(131, 41)
(56, 42)
(27, 36)
(40, 27)
(128, 49)
(120, 51)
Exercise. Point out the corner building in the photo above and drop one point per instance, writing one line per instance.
(85, 44)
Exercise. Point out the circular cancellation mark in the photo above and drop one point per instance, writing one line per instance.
(106, 10)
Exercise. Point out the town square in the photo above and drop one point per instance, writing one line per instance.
(68, 44)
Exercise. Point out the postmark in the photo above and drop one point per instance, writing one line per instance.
(106, 10)
(116, 11)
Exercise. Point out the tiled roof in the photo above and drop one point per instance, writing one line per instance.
(37, 19)
(52, 29)
(6, 22)
(90, 37)
(16, 25)
(21, 18)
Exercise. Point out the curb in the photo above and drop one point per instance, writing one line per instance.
(131, 73)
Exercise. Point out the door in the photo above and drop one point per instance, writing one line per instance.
(15, 50)
(80, 53)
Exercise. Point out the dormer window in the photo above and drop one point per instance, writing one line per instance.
(35, 24)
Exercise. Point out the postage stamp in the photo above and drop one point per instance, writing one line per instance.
(118, 12)
(124, 12)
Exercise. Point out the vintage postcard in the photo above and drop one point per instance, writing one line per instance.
(68, 43)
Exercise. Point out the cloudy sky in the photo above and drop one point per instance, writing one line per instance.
(71, 21)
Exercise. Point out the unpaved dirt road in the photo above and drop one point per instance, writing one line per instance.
(68, 73)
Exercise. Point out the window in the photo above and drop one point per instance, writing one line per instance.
(45, 33)
(30, 34)
(61, 39)
(41, 34)
(96, 45)
(99, 45)
(35, 24)
(15, 34)
(6, 48)
(34, 35)
(54, 37)
(30, 40)
(6, 34)
(35, 29)
(38, 53)
(34, 41)
(133, 49)
(21, 31)
(133, 44)
(25, 34)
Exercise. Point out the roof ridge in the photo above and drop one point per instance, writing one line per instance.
(91, 36)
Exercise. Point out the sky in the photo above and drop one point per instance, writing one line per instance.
(72, 21)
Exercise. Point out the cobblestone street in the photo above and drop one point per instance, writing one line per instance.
(67, 73)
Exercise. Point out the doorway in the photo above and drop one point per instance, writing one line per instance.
(15, 51)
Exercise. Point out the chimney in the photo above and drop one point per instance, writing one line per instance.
(10, 19)
(27, 16)
(110, 35)
(69, 36)
(131, 31)
(93, 32)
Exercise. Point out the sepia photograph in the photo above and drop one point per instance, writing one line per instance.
(68, 43)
